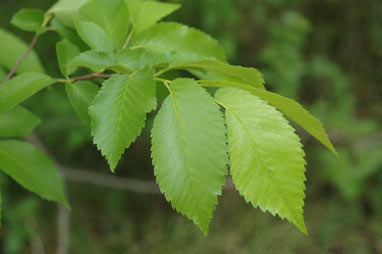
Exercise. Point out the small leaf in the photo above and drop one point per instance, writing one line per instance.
(12, 49)
(31, 169)
(66, 51)
(94, 36)
(21, 88)
(184, 43)
(119, 111)
(17, 122)
(189, 151)
(111, 15)
(96, 61)
(289, 107)
(30, 20)
(144, 14)
(81, 95)
(67, 11)
(267, 162)
(249, 76)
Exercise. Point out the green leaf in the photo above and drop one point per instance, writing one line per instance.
(69, 34)
(94, 36)
(189, 151)
(32, 169)
(66, 51)
(96, 61)
(288, 106)
(184, 43)
(17, 122)
(21, 88)
(67, 11)
(144, 14)
(111, 15)
(267, 162)
(249, 76)
(81, 95)
(3, 74)
(30, 20)
(119, 111)
(12, 49)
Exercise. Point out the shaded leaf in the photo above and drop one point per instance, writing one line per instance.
(12, 49)
(67, 11)
(66, 51)
(21, 88)
(96, 61)
(111, 15)
(119, 111)
(267, 162)
(17, 122)
(144, 14)
(29, 20)
(189, 151)
(94, 36)
(32, 169)
(81, 95)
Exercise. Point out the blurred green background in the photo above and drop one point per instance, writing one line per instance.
(326, 54)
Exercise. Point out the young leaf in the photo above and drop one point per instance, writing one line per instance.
(119, 111)
(29, 20)
(96, 61)
(66, 51)
(31, 169)
(111, 15)
(267, 162)
(144, 14)
(12, 48)
(249, 76)
(94, 36)
(21, 88)
(189, 151)
(288, 106)
(184, 43)
(80, 95)
(17, 122)
(67, 11)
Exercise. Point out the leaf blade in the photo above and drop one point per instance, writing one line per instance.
(31, 169)
(30, 20)
(94, 36)
(66, 51)
(267, 162)
(17, 122)
(119, 111)
(189, 151)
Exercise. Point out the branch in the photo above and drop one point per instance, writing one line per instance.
(21, 59)
(90, 76)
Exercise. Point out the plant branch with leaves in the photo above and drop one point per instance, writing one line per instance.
(198, 134)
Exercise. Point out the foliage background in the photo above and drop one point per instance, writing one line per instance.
(326, 54)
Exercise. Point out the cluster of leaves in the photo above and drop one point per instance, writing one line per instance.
(121, 45)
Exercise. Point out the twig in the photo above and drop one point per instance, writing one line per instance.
(85, 77)
(21, 59)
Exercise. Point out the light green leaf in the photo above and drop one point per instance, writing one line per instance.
(267, 162)
(189, 151)
(66, 51)
(21, 88)
(32, 169)
(249, 76)
(184, 43)
(29, 20)
(96, 61)
(17, 122)
(81, 95)
(144, 14)
(288, 106)
(12, 48)
(135, 59)
(68, 33)
(67, 11)
(111, 15)
(94, 36)
(119, 111)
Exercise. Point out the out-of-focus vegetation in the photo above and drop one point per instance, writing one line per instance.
(326, 54)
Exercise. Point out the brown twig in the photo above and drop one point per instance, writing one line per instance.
(21, 59)
(85, 77)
